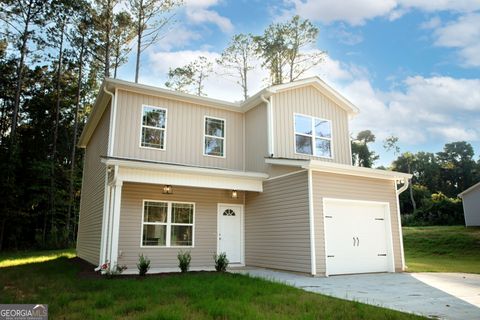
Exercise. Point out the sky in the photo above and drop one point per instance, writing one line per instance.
(411, 66)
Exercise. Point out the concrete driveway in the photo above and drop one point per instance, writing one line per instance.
(435, 295)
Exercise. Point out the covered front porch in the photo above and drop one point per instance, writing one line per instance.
(159, 209)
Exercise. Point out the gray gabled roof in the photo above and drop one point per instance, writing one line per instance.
(475, 186)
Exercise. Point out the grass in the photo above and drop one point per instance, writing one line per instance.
(56, 282)
(442, 249)
(25, 257)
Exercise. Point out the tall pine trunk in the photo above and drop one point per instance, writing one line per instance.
(139, 40)
(21, 64)
(74, 143)
(53, 187)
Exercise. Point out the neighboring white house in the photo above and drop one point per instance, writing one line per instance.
(471, 205)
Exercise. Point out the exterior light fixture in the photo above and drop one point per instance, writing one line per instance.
(167, 189)
(234, 194)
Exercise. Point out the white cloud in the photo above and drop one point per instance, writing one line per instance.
(357, 12)
(344, 36)
(432, 23)
(435, 109)
(463, 34)
(199, 11)
(177, 37)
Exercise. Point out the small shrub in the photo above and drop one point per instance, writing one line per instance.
(143, 265)
(221, 261)
(184, 259)
(111, 272)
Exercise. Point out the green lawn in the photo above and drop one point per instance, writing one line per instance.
(56, 282)
(442, 249)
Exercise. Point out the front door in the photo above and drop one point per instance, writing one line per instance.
(230, 219)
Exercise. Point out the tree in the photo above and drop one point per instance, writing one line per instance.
(458, 168)
(237, 60)
(191, 77)
(361, 154)
(282, 47)
(122, 34)
(391, 143)
(109, 41)
(150, 17)
(23, 18)
(301, 33)
(406, 162)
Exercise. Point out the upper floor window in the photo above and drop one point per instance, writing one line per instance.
(313, 136)
(214, 137)
(154, 124)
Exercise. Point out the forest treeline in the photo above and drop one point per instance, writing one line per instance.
(54, 54)
(438, 178)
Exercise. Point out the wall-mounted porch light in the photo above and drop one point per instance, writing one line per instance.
(167, 189)
(234, 194)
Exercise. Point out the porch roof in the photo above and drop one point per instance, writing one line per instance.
(145, 171)
(317, 165)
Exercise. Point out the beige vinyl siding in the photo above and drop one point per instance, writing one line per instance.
(93, 188)
(256, 138)
(205, 233)
(308, 101)
(184, 134)
(277, 233)
(337, 186)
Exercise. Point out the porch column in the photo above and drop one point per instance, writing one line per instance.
(116, 203)
(105, 228)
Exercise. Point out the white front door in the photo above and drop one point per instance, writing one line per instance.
(230, 232)
(358, 237)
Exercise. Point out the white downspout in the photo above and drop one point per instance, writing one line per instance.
(269, 125)
(106, 198)
(398, 192)
(111, 126)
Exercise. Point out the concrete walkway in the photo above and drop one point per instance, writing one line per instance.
(435, 295)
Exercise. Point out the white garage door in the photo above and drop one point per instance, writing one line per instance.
(358, 237)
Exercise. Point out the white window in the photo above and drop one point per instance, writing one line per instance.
(313, 136)
(167, 224)
(214, 137)
(154, 125)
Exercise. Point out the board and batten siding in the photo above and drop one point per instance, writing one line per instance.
(309, 101)
(256, 138)
(328, 185)
(471, 207)
(205, 228)
(93, 188)
(184, 133)
(277, 233)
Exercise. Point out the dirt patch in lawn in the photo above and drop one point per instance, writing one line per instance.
(86, 270)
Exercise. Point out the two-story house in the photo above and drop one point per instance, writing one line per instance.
(269, 181)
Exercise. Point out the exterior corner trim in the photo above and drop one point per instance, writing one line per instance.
(313, 255)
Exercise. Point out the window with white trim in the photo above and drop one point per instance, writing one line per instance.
(154, 124)
(167, 224)
(214, 137)
(313, 136)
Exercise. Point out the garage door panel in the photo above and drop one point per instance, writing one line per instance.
(356, 237)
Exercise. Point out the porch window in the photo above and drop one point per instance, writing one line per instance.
(167, 224)
(214, 137)
(313, 136)
(154, 126)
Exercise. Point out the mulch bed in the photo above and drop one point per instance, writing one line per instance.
(86, 271)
